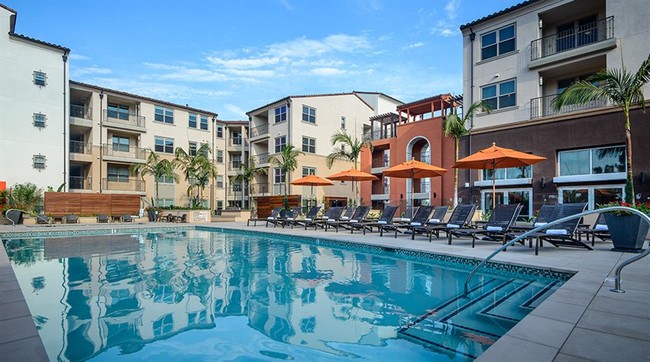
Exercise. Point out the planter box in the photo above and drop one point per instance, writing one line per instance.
(193, 216)
(628, 232)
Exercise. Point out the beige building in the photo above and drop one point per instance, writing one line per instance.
(111, 130)
(308, 123)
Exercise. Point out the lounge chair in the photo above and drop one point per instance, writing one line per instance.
(347, 213)
(360, 213)
(274, 215)
(43, 220)
(460, 217)
(71, 219)
(406, 216)
(563, 234)
(333, 213)
(499, 223)
(598, 230)
(421, 216)
(103, 218)
(546, 214)
(385, 220)
(311, 215)
(438, 215)
(285, 218)
(126, 218)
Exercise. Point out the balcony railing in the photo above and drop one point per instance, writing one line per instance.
(128, 119)
(543, 106)
(572, 38)
(81, 111)
(262, 158)
(234, 165)
(261, 188)
(380, 134)
(235, 142)
(119, 183)
(259, 130)
(79, 147)
(124, 151)
(377, 163)
(80, 183)
(236, 190)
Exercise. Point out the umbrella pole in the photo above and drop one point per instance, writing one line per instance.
(310, 196)
(412, 198)
(494, 189)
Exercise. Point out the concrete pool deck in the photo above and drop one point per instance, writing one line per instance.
(583, 320)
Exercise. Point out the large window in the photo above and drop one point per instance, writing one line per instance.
(192, 121)
(500, 95)
(280, 143)
(118, 111)
(509, 197)
(306, 171)
(219, 156)
(219, 131)
(121, 144)
(592, 161)
(592, 195)
(165, 145)
(278, 176)
(281, 114)
(500, 41)
(118, 173)
(508, 173)
(192, 148)
(165, 115)
(165, 179)
(308, 145)
(308, 114)
(219, 181)
(204, 122)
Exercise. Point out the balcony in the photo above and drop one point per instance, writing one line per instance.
(261, 159)
(121, 153)
(124, 121)
(259, 189)
(543, 107)
(379, 165)
(236, 191)
(235, 144)
(380, 197)
(380, 134)
(579, 41)
(124, 184)
(259, 131)
(234, 165)
(80, 183)
(81, 116)
(80, 151)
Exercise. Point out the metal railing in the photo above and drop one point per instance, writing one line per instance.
(237, 191)
(261, 158)
(618, 270)
(236, 142)
(260, 188)
(81, 111)
(572, 38)
(380, 134)
(128, 119)
(235, 165)
(122, 151)
(543, 106)
(123, 184)
(80, 182)
(259, 130)
(79, 147)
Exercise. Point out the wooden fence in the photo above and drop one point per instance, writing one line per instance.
(63, 203)
(266, 203)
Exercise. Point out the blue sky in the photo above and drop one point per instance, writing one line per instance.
(231, 57)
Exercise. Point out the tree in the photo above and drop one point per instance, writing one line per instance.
(287, 161)
(156, 167)
(198, 169)
(26, 197)
(622, 88)
(456, 126)
(249, 172)
(350, 151)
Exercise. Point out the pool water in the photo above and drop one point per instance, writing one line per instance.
(210, 296)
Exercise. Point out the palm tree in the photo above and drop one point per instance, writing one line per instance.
(287, 161)
(350, 151)
(456, 127)
(249, 172)
(198, 169)
(620, 87)
(155, 166)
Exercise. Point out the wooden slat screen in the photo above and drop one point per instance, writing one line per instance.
(266, 203)
(63, 203)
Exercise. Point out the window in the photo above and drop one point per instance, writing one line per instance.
(236, 162)
(306, 171)
(308, 114)
(592, 195)
(500, 41)
(165, 202)
(592, 161)
(280, 143)
(191, 121)
(164, 144)
(278, 176)
(500, 95)
(165, 115)
(118, 173)
(165, 179)
(39, 161)
(236, 138)
(192, 149)
(219, 156)
(219, 205)
(281, 114)
(308, 145)
(509, 197)
(219, 131)
(40, 78)
(508, 173)
(342, 122)
(204, 122)
(118, 111)
(120, 144)
(39, 120)
(219, 181)
(203, 150)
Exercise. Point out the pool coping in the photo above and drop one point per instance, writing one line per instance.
(561, 328)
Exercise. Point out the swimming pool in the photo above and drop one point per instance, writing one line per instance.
(205, 295)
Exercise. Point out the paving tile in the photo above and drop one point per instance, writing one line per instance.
(566, 295)
(621, 325)
(10, 285)
(525, 350)
(17, 328)
(618, 305)
(549, 332)
(14, 309)
(564, 312)
(28, 349)
(566, 358)
(599, 346)
(9, 296)
(589, 287)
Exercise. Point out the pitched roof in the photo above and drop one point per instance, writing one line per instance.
(498, 13)
(354, 93)
(8, 8)
(153, 100)
(41, 42)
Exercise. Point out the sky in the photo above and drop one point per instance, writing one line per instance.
(232, 56)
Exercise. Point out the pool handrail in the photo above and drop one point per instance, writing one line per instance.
(619, 268)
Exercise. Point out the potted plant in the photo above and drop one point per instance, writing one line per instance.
(628, 231)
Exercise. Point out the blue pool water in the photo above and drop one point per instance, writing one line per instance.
(199, 295)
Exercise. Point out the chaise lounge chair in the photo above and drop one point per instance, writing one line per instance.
(127, 218)
(71, 219)
(460, 217)
(274, 215)
(384, 221)
(43, 219)
(285, 218)
(333, 213)
(311, 215)
(422, 215)
(499, 223)
(103, 218)
(598, 230)
(360, 213)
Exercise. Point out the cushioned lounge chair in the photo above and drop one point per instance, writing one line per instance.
(103, 218)
(360, 213)
(347, 213)
(421, 216)
(406, 216)
(598, 230)
(460, 217)
(286, 217)
(126, 218)
(436, 219)
(182, 218)
(274, 215)
(332, 213)
(546, 214)
(385, 220)
(71, 219)
(499, 223)
(43, 219)
(311, 215)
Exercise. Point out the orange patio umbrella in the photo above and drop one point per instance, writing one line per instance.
(495, 157)
(311, 180)
(352, 175)
(414, 169)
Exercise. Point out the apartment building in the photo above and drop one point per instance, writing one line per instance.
(235, 135)
(517, 60)
(412, 131)
(33, 107)
(308, 123)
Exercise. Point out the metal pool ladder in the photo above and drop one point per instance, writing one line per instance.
(619, 268)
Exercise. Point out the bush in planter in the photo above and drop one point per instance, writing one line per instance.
(627, 230)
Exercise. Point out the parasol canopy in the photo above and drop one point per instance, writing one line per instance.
(414, 169)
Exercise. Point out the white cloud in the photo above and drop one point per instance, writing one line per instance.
(286, 4)
(451, 9)
(308, 48)
(240, 112)
(239, 63)
(416, 45)
(90, 71)
(445, 28)
(75, 56)
(164, 91)
(328, 71)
